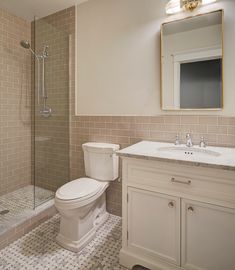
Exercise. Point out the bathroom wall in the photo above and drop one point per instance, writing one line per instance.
(125, 130)
(15, 104)
(118, 67)
(218, 128)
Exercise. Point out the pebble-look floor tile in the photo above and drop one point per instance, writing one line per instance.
(38, 250)
(20, 203)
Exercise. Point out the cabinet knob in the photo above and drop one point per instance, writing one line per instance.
(190, 209)
(171, 204)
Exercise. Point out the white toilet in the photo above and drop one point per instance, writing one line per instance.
(82, 202)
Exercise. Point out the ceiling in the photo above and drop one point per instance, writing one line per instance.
(27, 9)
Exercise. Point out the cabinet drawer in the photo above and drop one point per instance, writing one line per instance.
(181, 180)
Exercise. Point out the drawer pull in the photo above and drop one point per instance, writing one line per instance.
(171, 204)
(173, 180)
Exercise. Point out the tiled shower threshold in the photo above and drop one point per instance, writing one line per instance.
(18, 216)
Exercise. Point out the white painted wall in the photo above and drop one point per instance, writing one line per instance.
(118, 56)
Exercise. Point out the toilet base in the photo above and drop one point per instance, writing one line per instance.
(78, 226)
(77, 246)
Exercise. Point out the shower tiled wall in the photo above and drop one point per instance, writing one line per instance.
(15, 103)
(52, 134)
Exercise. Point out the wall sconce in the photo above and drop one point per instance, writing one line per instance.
(175, 6)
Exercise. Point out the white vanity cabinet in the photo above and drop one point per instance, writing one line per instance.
(177, 216)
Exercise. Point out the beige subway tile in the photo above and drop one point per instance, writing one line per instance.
(172, 128)
(157, 119)
(157, 127)
(217, 129)
(228, 140)
(208, 120)
(194, 128)
(231, 130)
(123, 125)
(172, 119)
(122, 132)
(190, 119)
(143, 119)
(142, 134)
(223, 120)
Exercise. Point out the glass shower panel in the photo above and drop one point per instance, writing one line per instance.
(51, 108)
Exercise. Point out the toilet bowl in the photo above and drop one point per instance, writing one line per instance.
(82, 202)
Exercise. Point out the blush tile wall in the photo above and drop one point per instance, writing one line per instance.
(15, 103)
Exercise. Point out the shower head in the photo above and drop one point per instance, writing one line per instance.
(25, 44)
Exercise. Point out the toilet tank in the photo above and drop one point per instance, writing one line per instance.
(100, 160)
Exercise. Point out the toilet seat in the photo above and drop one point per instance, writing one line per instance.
(78, 193)
(79, 189)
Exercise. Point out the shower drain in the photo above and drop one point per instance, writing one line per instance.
(4, 212)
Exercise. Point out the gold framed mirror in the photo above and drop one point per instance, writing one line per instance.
(192, 63)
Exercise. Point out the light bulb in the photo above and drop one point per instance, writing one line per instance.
(206, 2)
(173, 6)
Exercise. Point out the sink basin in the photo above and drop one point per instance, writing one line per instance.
(189, 151)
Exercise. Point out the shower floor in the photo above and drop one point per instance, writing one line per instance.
(17, 206)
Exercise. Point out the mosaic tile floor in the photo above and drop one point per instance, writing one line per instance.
(38, 250)
(20, 205)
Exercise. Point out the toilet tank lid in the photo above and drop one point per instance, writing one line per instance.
(100, 147)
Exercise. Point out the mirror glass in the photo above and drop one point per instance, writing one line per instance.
(192, 63)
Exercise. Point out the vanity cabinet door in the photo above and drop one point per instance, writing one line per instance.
(154, 225)
(208, 236)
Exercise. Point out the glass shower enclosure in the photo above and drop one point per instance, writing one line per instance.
(51, 109)
(34, 115)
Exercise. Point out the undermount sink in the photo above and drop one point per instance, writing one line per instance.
(190, 151)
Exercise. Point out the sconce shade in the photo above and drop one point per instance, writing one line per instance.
(175, 6)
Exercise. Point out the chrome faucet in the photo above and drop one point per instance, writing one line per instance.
(202, 142)
(189, 142)
(177, 140)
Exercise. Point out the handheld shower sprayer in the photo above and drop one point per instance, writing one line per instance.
(26, 45)
(45, 111)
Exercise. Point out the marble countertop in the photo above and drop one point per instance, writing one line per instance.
(214, 157)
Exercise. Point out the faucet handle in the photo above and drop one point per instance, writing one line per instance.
(177, 140)
(189, 142)
(202, 142)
